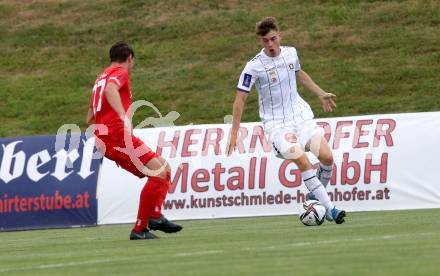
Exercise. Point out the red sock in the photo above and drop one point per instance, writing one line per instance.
(161, 198)
(150, 195)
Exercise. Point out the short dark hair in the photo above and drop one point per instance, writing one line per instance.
(120, 52)
(266, 25)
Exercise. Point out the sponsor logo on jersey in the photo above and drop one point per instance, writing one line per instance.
(273, 76)
(291, 66)
(247, 80)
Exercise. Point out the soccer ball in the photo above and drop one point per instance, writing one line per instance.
(312, 213)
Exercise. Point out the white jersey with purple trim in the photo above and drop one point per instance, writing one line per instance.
(275, 79)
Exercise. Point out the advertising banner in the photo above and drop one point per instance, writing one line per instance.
(382, 162)
(47, 182)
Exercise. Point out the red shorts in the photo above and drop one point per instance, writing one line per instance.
(127, 158)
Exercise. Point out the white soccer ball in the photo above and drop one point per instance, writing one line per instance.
(312, 213)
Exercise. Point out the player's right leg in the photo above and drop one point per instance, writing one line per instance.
(153, 194)
(287, 145)
(320, 148)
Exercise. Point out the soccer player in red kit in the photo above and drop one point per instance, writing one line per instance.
(109, 108)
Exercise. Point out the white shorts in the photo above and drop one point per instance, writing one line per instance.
(284, 138)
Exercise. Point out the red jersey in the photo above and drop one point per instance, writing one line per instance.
(104, 113)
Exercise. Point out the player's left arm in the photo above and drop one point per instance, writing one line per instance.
(327, 99)
(90, 117)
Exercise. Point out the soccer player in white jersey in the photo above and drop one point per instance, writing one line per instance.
(287, 118)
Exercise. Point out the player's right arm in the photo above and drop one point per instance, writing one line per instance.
(244, 87)
(114, 99)
(237, 111)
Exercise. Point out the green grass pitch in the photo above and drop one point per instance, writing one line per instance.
(369, 243)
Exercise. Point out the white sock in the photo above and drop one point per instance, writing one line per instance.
(324, 173)
(316, 188)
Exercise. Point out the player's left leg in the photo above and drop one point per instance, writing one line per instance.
(313, 140)
(157, 220)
